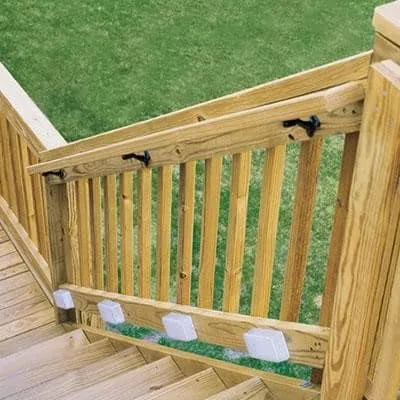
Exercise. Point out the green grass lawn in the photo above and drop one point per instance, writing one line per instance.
(94, 66)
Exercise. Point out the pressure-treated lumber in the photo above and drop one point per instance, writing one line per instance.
(25, 115)
(274, 166)
(333, 74)
(84, 377)
(281, 387)
(373, 208)
(19, 295)
(164, 204)
(209, 231)
(300, 233)
(239, 194)
(126, 232)
(386, 21)
(196, 387)
(233, 133)
(253, 389)
(132, 384)
(23, 310)
(187, 181)
(306, 343)
(59, 364)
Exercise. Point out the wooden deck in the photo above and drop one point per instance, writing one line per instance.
(26, 315)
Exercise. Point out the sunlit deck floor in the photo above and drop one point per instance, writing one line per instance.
(26, 315)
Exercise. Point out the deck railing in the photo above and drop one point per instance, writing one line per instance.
(115, 203)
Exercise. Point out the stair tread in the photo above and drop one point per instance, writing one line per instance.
(10, 259)
(84, 377)
(19, 295)
(41, 353)
(252, 389)
(16, 281)
(196, 387)
(61, 364)
(31, 338)
(12, 270)
(132, 384)
(22, 310)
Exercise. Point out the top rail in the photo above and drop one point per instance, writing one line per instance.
(26, 116)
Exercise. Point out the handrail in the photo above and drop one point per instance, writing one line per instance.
(245, 130)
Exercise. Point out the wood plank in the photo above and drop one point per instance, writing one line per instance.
(3, 175)
(282, 387)
(253, 389)
(97, 232)
(209, 231)
(187, 182)
(23, 309)
(26, 248)
(3, 237)
(239, 194)
(12, 271)
(84, 377)
(196, 387)
(60, 364)
(134, 383)
(18, 176)
(10, 260)
(110, 233)
(31, 338)
(6, 248)
(339, 224)
(144, 232)
(41, 353)
(28, 189)
(15, 282)
(164, 204)
(30, 322)
(8, 164)
(373, 209)
(23, 293)
(333, 74)
(300, 233)
(234, 133)
(126, 223)
(385, 50)
(84, 231)
(386, 21)
(270, 199)
(25, 115)
(306, 343)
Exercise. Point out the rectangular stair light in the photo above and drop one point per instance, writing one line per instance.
(63, 299)
(266, 344)
(111, 312)
(179, 327)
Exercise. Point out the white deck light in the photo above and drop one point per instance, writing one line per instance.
(179, 327)
(63, 299)
(111, 312)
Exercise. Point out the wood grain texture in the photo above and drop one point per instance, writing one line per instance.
(253, 389)
(95, 193)
(234, 133)
(373, 208)
(386, 21)
(385, 50)
(209, 231)
(187, 181)
(126, 232)
(300, 233)
(3, 175)
(274, 166)
(164, 204)
(144, 232)
(110, 232)
(307, 343)
(333, 74)
(84, 232)
(239, 194)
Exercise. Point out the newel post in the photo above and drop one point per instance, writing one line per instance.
(370, 235)
(60, 200)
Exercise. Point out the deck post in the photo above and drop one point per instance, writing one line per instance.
(371, 229)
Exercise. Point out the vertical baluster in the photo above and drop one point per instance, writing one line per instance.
(187, 180)
(306, 190)
(241, 166)
(3, 175)
(164, 203)
(97, 232)
(144, 234)
(126, 210)
(110, 210)
(274, 166)
(209, 231)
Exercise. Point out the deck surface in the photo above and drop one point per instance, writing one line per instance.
(23, 306)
